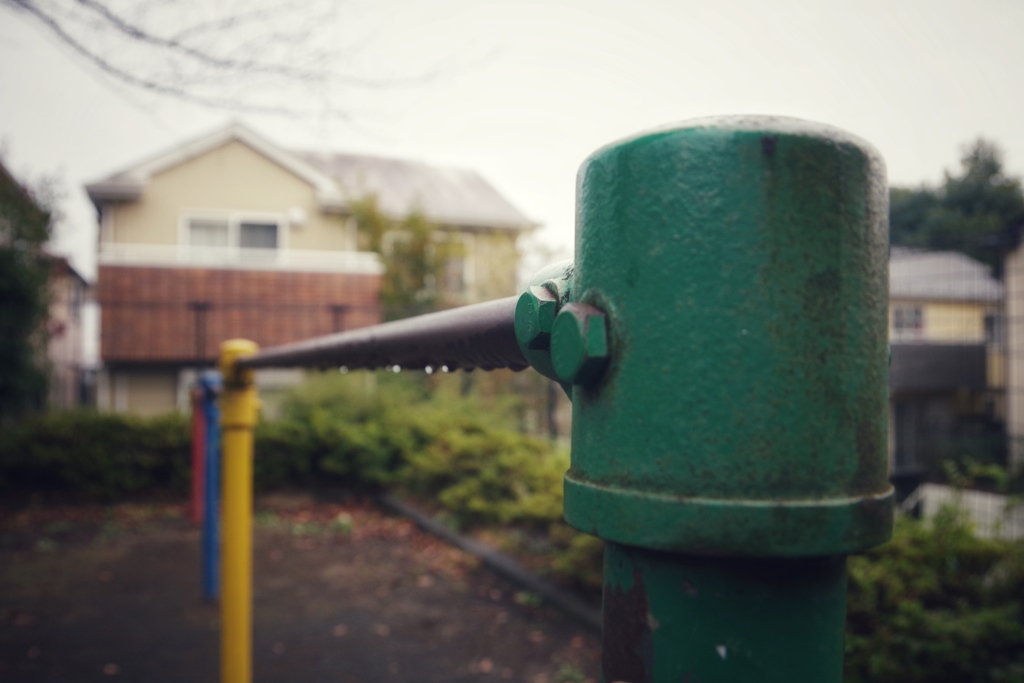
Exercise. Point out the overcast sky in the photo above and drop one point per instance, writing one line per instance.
(526, 90)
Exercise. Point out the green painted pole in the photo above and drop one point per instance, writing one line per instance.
(723, 333)
(669, 616)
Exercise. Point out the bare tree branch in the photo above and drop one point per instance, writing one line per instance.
(158, 86)
(257, 56)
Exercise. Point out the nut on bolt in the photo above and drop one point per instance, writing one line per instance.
(580, 346)
(535, 316)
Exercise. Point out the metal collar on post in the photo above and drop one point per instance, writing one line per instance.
(729, 427)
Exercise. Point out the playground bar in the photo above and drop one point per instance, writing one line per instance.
(476, 336)
(722, 335)
(239, 405)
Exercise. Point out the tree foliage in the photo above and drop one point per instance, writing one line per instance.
(415, 257)
(24, 298)
(966, 212)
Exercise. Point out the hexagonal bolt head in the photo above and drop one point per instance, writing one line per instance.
(535, 316)
(580, 344)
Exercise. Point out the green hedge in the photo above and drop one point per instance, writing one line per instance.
(429, 444)
(401, 435)
(86, 456)
(936, 604)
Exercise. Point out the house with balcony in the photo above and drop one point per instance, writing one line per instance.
(231, 235)
(947, 378)
(1012, 246)
(65, 336)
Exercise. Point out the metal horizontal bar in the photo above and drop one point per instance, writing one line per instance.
(476, 336)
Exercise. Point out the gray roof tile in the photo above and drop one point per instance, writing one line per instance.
(450, 196)
(945, 275)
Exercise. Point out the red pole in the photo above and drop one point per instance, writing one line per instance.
(198, 455)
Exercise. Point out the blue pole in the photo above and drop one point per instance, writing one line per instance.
(210, 384)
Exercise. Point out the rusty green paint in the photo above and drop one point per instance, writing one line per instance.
(579, 344)
(670, 617)
(742, 265)
(535, 315)
(548, 290)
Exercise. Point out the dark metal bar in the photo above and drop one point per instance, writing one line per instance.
(476, 336)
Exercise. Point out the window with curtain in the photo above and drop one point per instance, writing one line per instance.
(257, 235)
(225, 232)
(208, 233)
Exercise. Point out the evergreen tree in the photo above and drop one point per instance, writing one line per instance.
(24, 298)
(965, 213)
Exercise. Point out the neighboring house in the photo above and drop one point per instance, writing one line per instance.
(24, 226)
(230, 236)
(65, 348)
(1013, 279)
(947, 377)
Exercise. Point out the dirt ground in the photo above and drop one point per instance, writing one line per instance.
(342, 592)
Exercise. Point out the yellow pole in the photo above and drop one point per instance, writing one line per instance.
(239, 405)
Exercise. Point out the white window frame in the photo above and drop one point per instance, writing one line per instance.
(901, 331)
(234, 220)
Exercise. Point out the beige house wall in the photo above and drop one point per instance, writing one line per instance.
(139, 391)
(1013, 283)
(495, 259)
(232, 178)
(151, 392)
(995, 368)
(951, 322)
(65, 346)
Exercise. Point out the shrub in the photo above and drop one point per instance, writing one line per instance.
(427, 442)
(92, 456)
(486, 476)
(936, 604)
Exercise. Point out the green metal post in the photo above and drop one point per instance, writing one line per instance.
(721, 618)
(725, 339)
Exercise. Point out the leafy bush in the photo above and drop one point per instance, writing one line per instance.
(431, 444)
(579, 559)
(404, 434)
(936, 604)
(92, 456)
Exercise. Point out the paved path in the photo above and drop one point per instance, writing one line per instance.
(113, 594)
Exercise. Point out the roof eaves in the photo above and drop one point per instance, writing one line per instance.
(129, 183)
(115, 190)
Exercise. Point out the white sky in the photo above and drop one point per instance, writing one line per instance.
(528, 89)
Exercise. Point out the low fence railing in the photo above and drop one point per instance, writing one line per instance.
(249, 258)
(722, 335)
